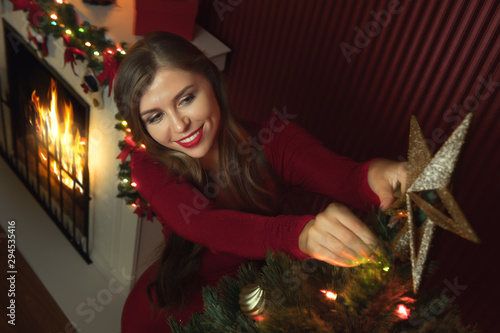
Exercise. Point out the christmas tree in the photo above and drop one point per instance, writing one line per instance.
(382, 295)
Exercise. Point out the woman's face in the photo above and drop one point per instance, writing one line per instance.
(180, 111)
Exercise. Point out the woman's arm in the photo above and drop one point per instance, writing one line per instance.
(303, 161)
(193, 216)
(335, 235)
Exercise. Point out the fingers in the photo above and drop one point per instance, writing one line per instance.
(386, 198)
(384, 178)
(338, 237)
(343, 259)
(354, 226)
(333, 259)
(348, 240)
(336, 248)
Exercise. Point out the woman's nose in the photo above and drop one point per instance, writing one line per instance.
(178, 122)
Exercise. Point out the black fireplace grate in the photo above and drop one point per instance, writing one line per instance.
(32, 145)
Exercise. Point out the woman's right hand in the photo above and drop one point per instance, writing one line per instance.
(337, 237)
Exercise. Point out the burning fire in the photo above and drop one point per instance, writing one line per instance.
(64, 144)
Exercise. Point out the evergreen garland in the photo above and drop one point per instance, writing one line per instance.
(126, 188)
(84, 41)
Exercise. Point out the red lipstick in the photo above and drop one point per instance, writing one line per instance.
(192, 139)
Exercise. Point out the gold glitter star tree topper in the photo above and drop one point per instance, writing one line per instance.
(429, 174)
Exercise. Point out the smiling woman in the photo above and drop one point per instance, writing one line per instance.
(218, 207)
(180, 111)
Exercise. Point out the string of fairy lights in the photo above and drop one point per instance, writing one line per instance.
(126, 186)
(84, 41)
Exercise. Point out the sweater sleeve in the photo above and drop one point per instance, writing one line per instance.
(192, 215)
(303, 161)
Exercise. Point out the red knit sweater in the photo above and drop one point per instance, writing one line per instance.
(232, 237)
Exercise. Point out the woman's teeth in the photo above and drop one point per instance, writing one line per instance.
(191, 138)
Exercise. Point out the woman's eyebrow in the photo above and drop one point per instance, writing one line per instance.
(148, 111)
(179, 94)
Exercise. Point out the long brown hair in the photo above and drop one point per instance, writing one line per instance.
(252, 189)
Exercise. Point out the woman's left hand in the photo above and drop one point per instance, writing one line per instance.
(384, 176)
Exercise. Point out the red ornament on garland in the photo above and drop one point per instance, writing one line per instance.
(35, 13)
(141, 207)
(110, 67)
(39, 40)
(22, 4)
(127, 149)
(71, 53)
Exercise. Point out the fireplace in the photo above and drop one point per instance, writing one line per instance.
(44, 139)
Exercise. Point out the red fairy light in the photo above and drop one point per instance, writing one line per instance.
(259, 318)
(403, 312)
(329, 294)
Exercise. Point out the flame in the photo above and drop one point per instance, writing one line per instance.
(65, 144)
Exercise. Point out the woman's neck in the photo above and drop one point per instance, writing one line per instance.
(210, 162)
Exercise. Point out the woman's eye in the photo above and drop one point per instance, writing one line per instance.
(155, 118)
(186, 100)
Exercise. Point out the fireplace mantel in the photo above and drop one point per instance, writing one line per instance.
(120, 243)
